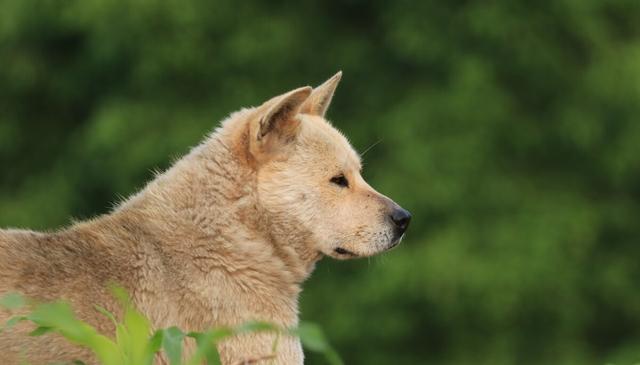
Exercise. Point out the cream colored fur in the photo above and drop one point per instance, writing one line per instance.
(226, 235)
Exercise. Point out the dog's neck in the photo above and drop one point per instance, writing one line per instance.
(206, 206)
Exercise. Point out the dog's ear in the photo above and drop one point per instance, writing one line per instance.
(277, 124)
(320, 98)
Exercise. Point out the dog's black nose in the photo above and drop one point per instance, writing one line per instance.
(401, 218)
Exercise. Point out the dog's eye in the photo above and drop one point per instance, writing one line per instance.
(340, 180)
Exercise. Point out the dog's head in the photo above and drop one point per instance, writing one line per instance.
(309, 179)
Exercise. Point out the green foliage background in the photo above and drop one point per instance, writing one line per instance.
(509, 128)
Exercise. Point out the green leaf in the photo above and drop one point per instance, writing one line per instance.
(217, 334)
(105, 349)
(40, 331)
(12, 301)
(12, 322)
(60, 318)
(106, 313)
(312, 337)
(139, 329)
(172, 341)
(153, 346)
(123, 341)
(120, 294)
(207, 346)
(256, 326)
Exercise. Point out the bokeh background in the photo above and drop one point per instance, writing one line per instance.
(509, 128)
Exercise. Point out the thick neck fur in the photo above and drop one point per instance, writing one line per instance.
(204, 214)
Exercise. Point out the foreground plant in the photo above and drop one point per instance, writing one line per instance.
(135, 343)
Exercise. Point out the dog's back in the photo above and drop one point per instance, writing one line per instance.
(21, 254)
(46, 267)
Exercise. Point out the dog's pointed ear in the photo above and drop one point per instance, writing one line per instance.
(277, 124)
(320, 98)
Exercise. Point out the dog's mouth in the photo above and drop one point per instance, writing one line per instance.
(343, 252)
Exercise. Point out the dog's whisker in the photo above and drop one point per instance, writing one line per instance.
(370, 147)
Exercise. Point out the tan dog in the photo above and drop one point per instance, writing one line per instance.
(226, 235)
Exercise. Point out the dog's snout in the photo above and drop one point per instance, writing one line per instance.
(400, 218)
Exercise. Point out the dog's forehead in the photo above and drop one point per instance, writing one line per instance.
(320, 133)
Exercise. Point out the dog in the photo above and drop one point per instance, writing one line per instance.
(226, 235)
